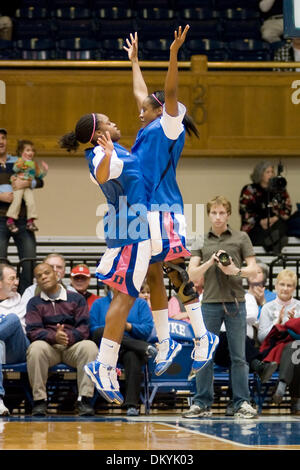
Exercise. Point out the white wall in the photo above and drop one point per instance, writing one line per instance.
(68, 202)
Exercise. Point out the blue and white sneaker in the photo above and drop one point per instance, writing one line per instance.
(203, 352)
(167, 350)
(105, 380)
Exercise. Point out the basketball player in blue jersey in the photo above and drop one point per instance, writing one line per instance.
(158, 146)
(125, 263)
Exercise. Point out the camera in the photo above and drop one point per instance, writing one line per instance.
(224, 258)
(278, 183)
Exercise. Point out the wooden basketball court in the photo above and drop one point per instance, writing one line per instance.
(152, 433)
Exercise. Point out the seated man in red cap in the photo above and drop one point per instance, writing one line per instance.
(80, 279)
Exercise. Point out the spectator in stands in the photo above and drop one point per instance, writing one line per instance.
(7, 12)
(277, 312)
(80, 279)
(272, 28)
(12, 323)
(264, 211)
(257, 293)
(279, 333)
(134, 350)
(58, 263)
(254, 298)
(145, 293)
(24, 238)
(289, 52)
(6, 27)
(26, 168)
(223, 300)
(57, 325)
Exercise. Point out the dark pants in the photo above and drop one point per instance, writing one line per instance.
(273, 239)
(222, 355)
(132, 357)
(26, 245)
(289, 368)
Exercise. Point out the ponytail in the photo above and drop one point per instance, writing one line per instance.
(69, 142)
(190, 126)
(157, 99)
(84, 133)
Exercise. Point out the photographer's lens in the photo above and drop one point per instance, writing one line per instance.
(224, 259)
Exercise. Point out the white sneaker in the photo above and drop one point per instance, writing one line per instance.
(105, 380)
(167, 350)
(245, 411)
(3, 410)
(203, 352)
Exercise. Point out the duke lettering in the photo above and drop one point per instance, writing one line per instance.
(118, 279)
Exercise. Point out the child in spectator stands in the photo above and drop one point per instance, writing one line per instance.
(28, 169)
(145, 293)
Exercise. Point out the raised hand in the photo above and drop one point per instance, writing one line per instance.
(45, 166)
(179, 38)
(132, 48)
(106, 143)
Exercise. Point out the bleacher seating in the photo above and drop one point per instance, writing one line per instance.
(156, 49)
(8, 51)
(71, 13)
(225, 21)
(214, 50)
(249, 49)
(32, 28)
(36, 49)
(76, 250)
(112, 49)
(88, 250)
(32, 12)
(78, 49)
(238, 24)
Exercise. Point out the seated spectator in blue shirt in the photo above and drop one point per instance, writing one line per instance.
(134, 350)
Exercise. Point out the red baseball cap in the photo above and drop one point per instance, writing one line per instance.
(80, 271)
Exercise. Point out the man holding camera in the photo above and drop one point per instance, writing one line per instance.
(219, 257)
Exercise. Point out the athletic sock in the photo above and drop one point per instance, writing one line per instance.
(195, 315)
(161, 322)
(108, 352)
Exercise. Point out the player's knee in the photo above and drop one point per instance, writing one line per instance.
(181, 283)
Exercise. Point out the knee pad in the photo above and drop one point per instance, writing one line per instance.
(180, 281)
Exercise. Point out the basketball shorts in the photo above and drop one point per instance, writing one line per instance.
(168, 236)
(125, 268)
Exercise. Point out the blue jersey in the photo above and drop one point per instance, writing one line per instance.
(158, 156)
(125, 222)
